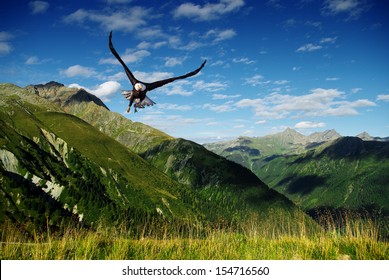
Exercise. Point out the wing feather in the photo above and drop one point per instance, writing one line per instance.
(130, 76)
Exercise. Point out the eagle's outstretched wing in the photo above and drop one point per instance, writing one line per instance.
(133, 80)
(154, 85)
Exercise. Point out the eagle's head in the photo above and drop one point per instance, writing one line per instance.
(140, 87)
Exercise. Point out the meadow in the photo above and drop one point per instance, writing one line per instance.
(278, 237)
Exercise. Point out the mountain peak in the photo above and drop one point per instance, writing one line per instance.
(291, 135)
(365, 136)
(324, 136)
(49, 85)
(64, 96)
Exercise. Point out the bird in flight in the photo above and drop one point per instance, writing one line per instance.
(138, 94)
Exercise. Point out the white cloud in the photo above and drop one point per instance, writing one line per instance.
(254, 80)
(173, 61)
(332, 79)
(221, 35)
(243, 60)
(328, 40)
(5, 48)
(383, 97)
(320, 102)
(309, 48)
(78, 70)
(176, 88)
(355, 90)
(353, 8)
(102, 91)
(149, 77)
(280, 82)
(226, 107)
(224, 96)
(209, 86)
(208, 11)
(39, 7)
(32, 60)
(129, 57)
(168, 106)
(308, 124)
(5, 36)
(125, 19)
(148, 45)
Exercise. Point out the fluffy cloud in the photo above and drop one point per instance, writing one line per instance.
(308, 124)
(383, 97)
(126, 20)
(320, 102)
(221, 35)
(208, 11)
(38, 7)
(78, 70)
(173, 61)
(103, 91)
(254, 80)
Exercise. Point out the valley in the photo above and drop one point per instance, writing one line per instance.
(73, 170)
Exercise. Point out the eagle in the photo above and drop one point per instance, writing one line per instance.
(138, 94)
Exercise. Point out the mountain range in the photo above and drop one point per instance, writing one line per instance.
(65, 157)
(323, 170)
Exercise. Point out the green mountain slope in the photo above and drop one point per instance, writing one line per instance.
(56, 167)
(62, 163)
(320, 170)
(184, 161)
(88, 107)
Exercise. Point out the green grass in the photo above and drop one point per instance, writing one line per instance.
(274, 238)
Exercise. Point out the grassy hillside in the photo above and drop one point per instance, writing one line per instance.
(88, 107)
(55, 165)
(94, 177)
(220, 184)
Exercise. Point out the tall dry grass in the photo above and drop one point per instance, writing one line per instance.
(276, 236)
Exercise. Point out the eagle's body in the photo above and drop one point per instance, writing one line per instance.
(138, 94)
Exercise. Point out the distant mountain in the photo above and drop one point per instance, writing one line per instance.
(56, 167)
(367, 137)
(319, 137)
(320, 170)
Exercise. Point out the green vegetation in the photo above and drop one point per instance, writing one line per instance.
(103, 187)
(277, 237)
(323, 170)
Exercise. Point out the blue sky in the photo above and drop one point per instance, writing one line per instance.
(309, 65)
